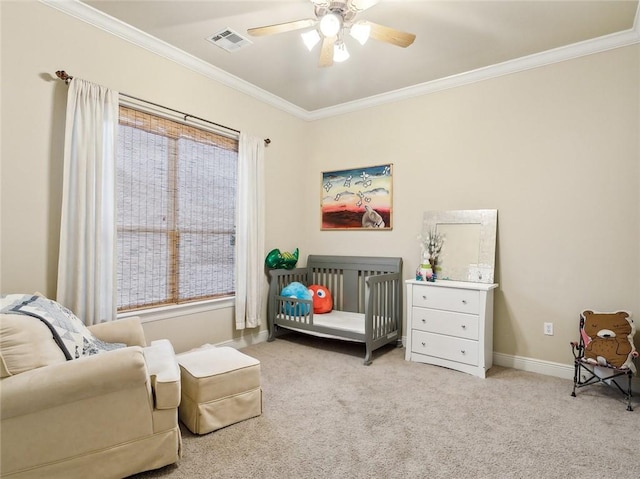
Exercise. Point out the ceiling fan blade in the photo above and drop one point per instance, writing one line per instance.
(282, 27)
(390, 35)
(326, 54)
(362, 5)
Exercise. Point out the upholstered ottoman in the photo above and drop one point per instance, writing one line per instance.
(220, 386)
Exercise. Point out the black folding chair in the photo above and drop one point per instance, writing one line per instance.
(605, 352)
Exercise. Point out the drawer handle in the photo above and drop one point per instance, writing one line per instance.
(464, 326)
(464, 301)
(463, 351)
(424, 296)
(424, 320)
(423, 343)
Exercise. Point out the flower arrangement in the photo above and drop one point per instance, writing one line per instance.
(431, 245)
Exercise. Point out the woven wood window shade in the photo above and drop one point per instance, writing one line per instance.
(176, 196)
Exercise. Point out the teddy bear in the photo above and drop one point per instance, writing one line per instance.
(608, 339)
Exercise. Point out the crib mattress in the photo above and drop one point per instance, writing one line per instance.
(336, 320)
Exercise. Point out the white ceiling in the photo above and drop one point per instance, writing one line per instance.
(455, 40)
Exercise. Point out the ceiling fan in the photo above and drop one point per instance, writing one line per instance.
(332, 20)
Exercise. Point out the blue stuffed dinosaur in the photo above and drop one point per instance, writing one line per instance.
(298, 291)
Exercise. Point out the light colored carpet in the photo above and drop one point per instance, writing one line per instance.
(326, 415)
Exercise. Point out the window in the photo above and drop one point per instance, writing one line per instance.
(176, 197)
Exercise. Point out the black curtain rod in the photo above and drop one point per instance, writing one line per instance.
(67, 78)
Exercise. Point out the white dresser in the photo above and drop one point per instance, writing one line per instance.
(450, 324)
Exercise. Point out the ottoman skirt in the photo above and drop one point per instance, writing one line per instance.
(220, 386)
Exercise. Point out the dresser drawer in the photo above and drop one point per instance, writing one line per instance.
(450, 299)
(461, 325)
(445, 347)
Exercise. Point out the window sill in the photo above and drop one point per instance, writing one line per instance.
(176, 310)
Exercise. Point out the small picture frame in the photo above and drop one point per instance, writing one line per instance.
(357, 198)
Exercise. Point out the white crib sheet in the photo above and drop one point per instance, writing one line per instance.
(338, 320)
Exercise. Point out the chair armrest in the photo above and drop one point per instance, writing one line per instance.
(576, 350)
(165, 374)
(64, 383)
(127, 330)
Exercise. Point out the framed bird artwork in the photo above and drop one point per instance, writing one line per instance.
(357, 198)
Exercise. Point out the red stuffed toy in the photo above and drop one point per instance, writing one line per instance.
(322, 299)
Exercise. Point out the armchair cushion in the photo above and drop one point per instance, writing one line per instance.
(57, 385)
(25, 344)
(34, 326)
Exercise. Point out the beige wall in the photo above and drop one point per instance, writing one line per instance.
(38, 40)
(554, 149)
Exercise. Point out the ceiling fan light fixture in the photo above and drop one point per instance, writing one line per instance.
(360, 31)
(310, 38)
(330, 24)
(340, 52)
(333, 19)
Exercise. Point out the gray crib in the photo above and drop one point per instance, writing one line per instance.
(367, 300)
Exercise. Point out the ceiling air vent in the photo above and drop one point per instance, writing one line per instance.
(229, 40)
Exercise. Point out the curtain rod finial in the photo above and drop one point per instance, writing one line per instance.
(64, 76)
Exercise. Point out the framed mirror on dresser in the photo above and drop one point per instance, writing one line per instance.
(450, 320)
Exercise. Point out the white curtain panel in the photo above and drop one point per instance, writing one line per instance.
(87, 259)
(250, 232)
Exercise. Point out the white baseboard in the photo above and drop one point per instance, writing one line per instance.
(548, 368)
(247, 340)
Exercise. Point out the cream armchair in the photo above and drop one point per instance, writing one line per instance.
(104, 416)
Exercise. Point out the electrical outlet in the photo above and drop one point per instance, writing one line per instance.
(548, 329)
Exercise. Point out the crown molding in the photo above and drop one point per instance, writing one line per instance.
(137, 37)
(569, 52)
(133, 35)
